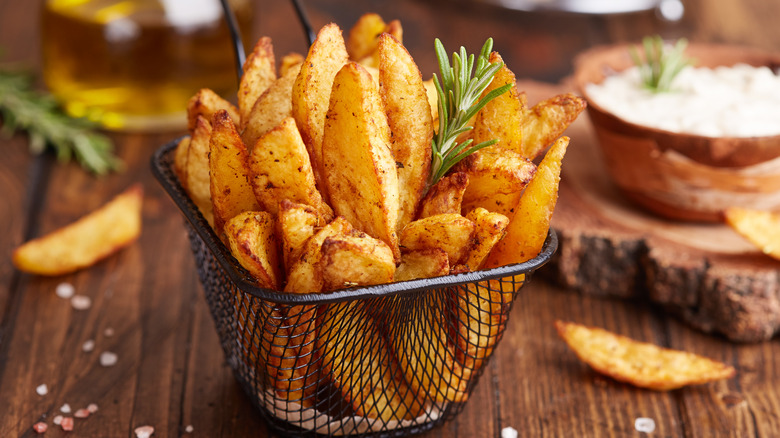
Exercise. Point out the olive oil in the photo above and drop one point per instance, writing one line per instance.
(133, 64)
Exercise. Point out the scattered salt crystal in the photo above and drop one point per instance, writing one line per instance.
(144, 431)
(81, 413)
(57, 420)
(88, 346)
(92, 408)
(508, 432)
(67, 424)
(81, 302)
(65, 290)
(643, 424)
(108, 359)
(108, 332)
(65, 409)
(42, 389)
(40, 427)
(189, 428)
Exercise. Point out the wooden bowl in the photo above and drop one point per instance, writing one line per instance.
(683, 176)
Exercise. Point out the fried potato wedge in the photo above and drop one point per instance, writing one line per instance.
(363, 38)
(251, 237)
(449, 232)
(231, 192)
(639, 363)
(355, 260)
(289, 61)
(530, 223)
(206, 103)
(296, 224)
(85, 242)
(446, 196)
(490, 228)
(198, 178)
(279, 169)
(270, 109)
(180, 160)
(501, 118)
(306, 275)
(760, 227)
(409, 117)
(424, 263)
(497, 177)
(546, 121)
(259, 73)
(311, 93)
(357, 157)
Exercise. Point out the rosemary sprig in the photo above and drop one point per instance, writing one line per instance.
(661, 63)
(458, 93)
(38, 114)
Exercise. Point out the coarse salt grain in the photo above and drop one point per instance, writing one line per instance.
(81, 413)
(65, 290)
(108, 332)
(509, 432)
(144, 431)
(42, 389)
(189, 428)
(92, 408)
(40, 427)
(643, 424)
(88, 346)
(67, 424)
(108, 359)
(81, 302)
(65, 409)
(57, 420)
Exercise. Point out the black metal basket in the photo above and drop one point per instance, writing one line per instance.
(387, 360)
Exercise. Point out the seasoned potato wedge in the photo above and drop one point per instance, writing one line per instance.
(296, 223)
(311, 92)
(289, 61)
(639, 363)
(231, 192)
(423, 263)
(490, 228)
(87, 241)
(206, 103)
(363, 37)
(355, 260)
(251, 236)
(270, 109)
(279, 169)
(446, 196)
(306, 275)
(760, 227)
(198, 178)
(449, 232)
(180, 160)
(546, 121)
(259, 73)
(357, 157)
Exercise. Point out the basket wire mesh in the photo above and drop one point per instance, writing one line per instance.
(387, 360)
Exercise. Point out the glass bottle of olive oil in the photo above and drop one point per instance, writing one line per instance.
(133, 64)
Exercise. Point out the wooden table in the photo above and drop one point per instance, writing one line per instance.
(170, 371)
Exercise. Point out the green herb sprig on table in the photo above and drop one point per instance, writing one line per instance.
(459, 100)
(661, 63)
(22, 108)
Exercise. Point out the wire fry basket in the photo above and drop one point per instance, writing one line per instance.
(386, 360)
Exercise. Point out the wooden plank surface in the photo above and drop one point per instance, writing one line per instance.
(170, 371)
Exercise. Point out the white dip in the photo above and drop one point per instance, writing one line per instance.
(738, 101)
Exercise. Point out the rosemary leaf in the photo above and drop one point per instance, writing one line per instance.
(661, 63)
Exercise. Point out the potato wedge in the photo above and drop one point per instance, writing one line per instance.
(289, 61)
(490, 228)
(85, 242)
(231, 192)
(760, 227)
(198, 178)
(446, 196)
(259, 73)
(206, 103)
(424, 263)
(311, 93)
(409, 117)
(270, 109)
(362, 39)
(279, 169)
(251, 237)
(501, 118)
(355, 260)
(449, 232)
(639, 363)
(357, 157)
(296, 224)
(306, 275)
(547, 120)
(528, 226)
(180, 160)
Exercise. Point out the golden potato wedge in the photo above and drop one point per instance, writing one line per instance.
(198, 179)
(409, 117)
(270, 109)
(497, 177)
(424, 263)
(446, 196)
(206, 103)
(639, 363)
(311, 93)
(259, 73)
(362, 39)
(296, 223)
(251, 237)
(180, 160)
(231, 192)
(490, 228)
(760, 227)
(306, 275)
(279, 169)
(547, 120)
(449, 232)
(528, 226)
(355, 260)
(358, 360)
(501, 118)
(85, 242)
(357, 157)
(290, 61)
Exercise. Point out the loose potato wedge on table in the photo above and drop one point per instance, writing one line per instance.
(86, 241)
(762, 228)
(259, 73)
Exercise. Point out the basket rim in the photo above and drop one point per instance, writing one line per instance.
(162, 168)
